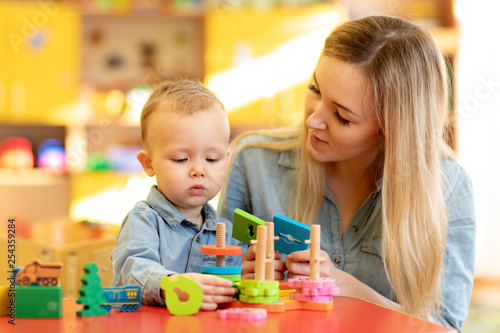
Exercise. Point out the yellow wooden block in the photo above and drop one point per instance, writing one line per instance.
(4, 300)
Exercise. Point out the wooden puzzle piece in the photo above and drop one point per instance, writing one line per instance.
(222, 270)
(91, 293)
(245, 226)
(43, 273)
(126, 298)
(183, 296)
(38, 302)
(292, 234)
(243, 313)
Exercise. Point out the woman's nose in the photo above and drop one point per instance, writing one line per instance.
(315, 120)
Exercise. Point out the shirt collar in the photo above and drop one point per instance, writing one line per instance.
(172, 216)
(288, 158)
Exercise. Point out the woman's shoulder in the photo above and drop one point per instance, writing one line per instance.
(455, 178)
(265, 137)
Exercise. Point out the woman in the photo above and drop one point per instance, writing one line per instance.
(370, 165)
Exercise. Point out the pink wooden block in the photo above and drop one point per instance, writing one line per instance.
(243, 313)
(306, 298)
(306, 283)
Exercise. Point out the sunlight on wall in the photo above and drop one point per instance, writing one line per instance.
(287, 66)
(113, 204)
(478, 88)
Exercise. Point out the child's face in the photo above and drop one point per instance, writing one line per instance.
(188, 156)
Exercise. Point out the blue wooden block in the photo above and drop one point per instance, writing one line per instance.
(291, 233)
(220, 270)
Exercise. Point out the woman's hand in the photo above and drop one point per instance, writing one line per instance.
(298, 265)
(215, 289)
(248, 264)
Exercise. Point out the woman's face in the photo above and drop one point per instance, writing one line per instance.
(340, 117)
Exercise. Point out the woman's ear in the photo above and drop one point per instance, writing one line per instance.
(145, 160)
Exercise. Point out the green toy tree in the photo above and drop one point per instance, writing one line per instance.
(91, 292)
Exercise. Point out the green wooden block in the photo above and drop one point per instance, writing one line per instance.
(245, 226)
(258, 299)
(38, 302)
(230, 277)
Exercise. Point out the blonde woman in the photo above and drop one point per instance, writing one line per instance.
(369, 164)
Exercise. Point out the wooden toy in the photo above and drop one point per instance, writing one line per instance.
(125, 298)
(215, 270)
(37, 272)
(5, 300)
(221, 250)
(38, 302)
(292, 234)
(313, 293)
(314, 260)
(270, 251)
(183, 296)
(91, 293)
(314, 289)
(263, 289)
(243, 313)
(245, 226)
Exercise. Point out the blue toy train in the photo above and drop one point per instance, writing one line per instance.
(125, 298)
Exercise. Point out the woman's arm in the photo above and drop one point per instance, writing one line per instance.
(297, 264)
(460, 246)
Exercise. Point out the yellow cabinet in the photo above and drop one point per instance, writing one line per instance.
(39, 61)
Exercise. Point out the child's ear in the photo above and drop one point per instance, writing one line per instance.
(145, 160)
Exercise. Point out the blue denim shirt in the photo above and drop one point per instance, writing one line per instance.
(260, 180)
(155, 240)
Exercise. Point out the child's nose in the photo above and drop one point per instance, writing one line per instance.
(197, 171)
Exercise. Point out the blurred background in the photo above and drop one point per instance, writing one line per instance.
(75, 74)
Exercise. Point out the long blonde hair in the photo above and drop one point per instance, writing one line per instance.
(408, 79)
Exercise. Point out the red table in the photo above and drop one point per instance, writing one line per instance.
(349, 315)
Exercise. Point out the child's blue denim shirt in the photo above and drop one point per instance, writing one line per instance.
(260, 181)
(156, 240)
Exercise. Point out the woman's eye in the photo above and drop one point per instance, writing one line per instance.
(342, 121)
(313, 89)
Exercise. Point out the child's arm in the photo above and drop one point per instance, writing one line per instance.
(215, 289)
(136, 256)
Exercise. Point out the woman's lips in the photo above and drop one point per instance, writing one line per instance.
(315, 139)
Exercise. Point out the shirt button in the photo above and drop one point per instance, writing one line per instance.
(336, 261)
(354, 228)
(198, 239)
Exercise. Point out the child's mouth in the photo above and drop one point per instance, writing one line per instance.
(197, 189)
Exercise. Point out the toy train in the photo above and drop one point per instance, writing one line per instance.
(125, 298)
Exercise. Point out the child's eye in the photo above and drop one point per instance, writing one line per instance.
(211, 160)
(342, 121)
(180, 160)
(313, 89)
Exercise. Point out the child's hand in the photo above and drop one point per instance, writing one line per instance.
(215, 289)
(248, 265)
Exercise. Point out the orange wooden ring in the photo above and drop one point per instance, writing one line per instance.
(228, 250)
